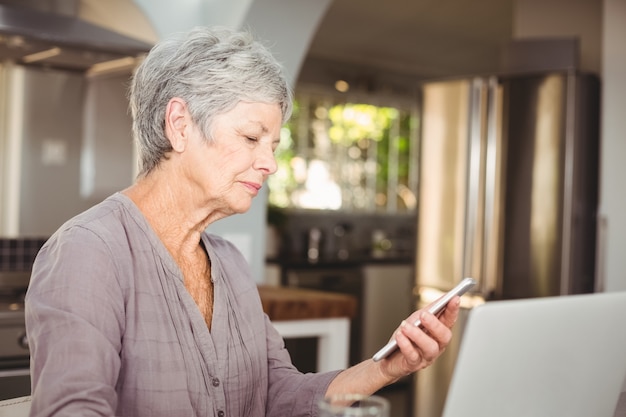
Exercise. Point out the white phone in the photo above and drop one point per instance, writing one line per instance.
(436, 308)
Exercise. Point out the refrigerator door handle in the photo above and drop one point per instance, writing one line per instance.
(492, 201)
(472, 244)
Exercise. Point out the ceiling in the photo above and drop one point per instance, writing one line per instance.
(389, 45)
(378, 44)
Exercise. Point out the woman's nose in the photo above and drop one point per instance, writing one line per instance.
(266, 161)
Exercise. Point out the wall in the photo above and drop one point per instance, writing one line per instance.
(108, 152)
(563, 18)
(612, 239)
(61, 163)
(51, 145)
(42, 165)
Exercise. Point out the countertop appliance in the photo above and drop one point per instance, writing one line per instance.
(14, 353)
(507, 195)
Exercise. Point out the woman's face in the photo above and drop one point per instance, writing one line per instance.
(230, 171)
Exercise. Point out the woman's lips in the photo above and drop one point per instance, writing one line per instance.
(253, 187)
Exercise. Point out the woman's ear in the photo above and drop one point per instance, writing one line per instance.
(177, 124)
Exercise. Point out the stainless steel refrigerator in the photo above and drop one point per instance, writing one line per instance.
(507, 195)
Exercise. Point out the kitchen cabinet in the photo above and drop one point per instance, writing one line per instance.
(383, 289)
(387, 300)
(299, 313)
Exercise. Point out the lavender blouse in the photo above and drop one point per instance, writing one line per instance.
(114, 332)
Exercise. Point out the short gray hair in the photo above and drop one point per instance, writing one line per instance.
(212, 69)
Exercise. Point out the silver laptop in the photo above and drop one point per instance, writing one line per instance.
(541, 357)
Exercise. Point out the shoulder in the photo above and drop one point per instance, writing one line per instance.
(92, 237)
(110, 221)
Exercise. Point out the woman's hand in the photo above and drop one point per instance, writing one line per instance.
(418, 347)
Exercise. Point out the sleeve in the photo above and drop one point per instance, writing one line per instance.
(291, 393)
(74, 322)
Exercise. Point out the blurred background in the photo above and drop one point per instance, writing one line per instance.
(431, 140)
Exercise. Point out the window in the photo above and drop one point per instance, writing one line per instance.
(347, 155)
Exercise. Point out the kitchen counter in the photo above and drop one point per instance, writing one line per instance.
(281, 303)
(300, 313)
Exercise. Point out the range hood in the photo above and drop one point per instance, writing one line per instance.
(32, 36)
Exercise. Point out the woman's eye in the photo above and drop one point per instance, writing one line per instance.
(251, 139)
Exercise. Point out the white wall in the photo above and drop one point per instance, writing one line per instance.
(612, 239)
(563, 18)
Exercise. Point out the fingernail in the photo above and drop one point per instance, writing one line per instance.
(403, 323)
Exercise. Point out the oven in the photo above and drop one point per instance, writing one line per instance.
(14, 353)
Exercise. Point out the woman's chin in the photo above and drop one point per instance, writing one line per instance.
(241, 207)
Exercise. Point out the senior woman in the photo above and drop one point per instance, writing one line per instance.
(135, 310)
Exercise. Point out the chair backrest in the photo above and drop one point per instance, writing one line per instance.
(15, 407)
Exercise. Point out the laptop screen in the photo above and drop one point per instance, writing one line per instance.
(551, 356)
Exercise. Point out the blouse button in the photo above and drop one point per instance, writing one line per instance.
(216, 383)
(220, 413)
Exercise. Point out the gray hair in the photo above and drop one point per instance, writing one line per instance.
(212, 69)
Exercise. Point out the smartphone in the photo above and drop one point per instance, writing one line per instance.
(436, 308)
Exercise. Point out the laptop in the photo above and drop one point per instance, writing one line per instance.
(541, 357)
